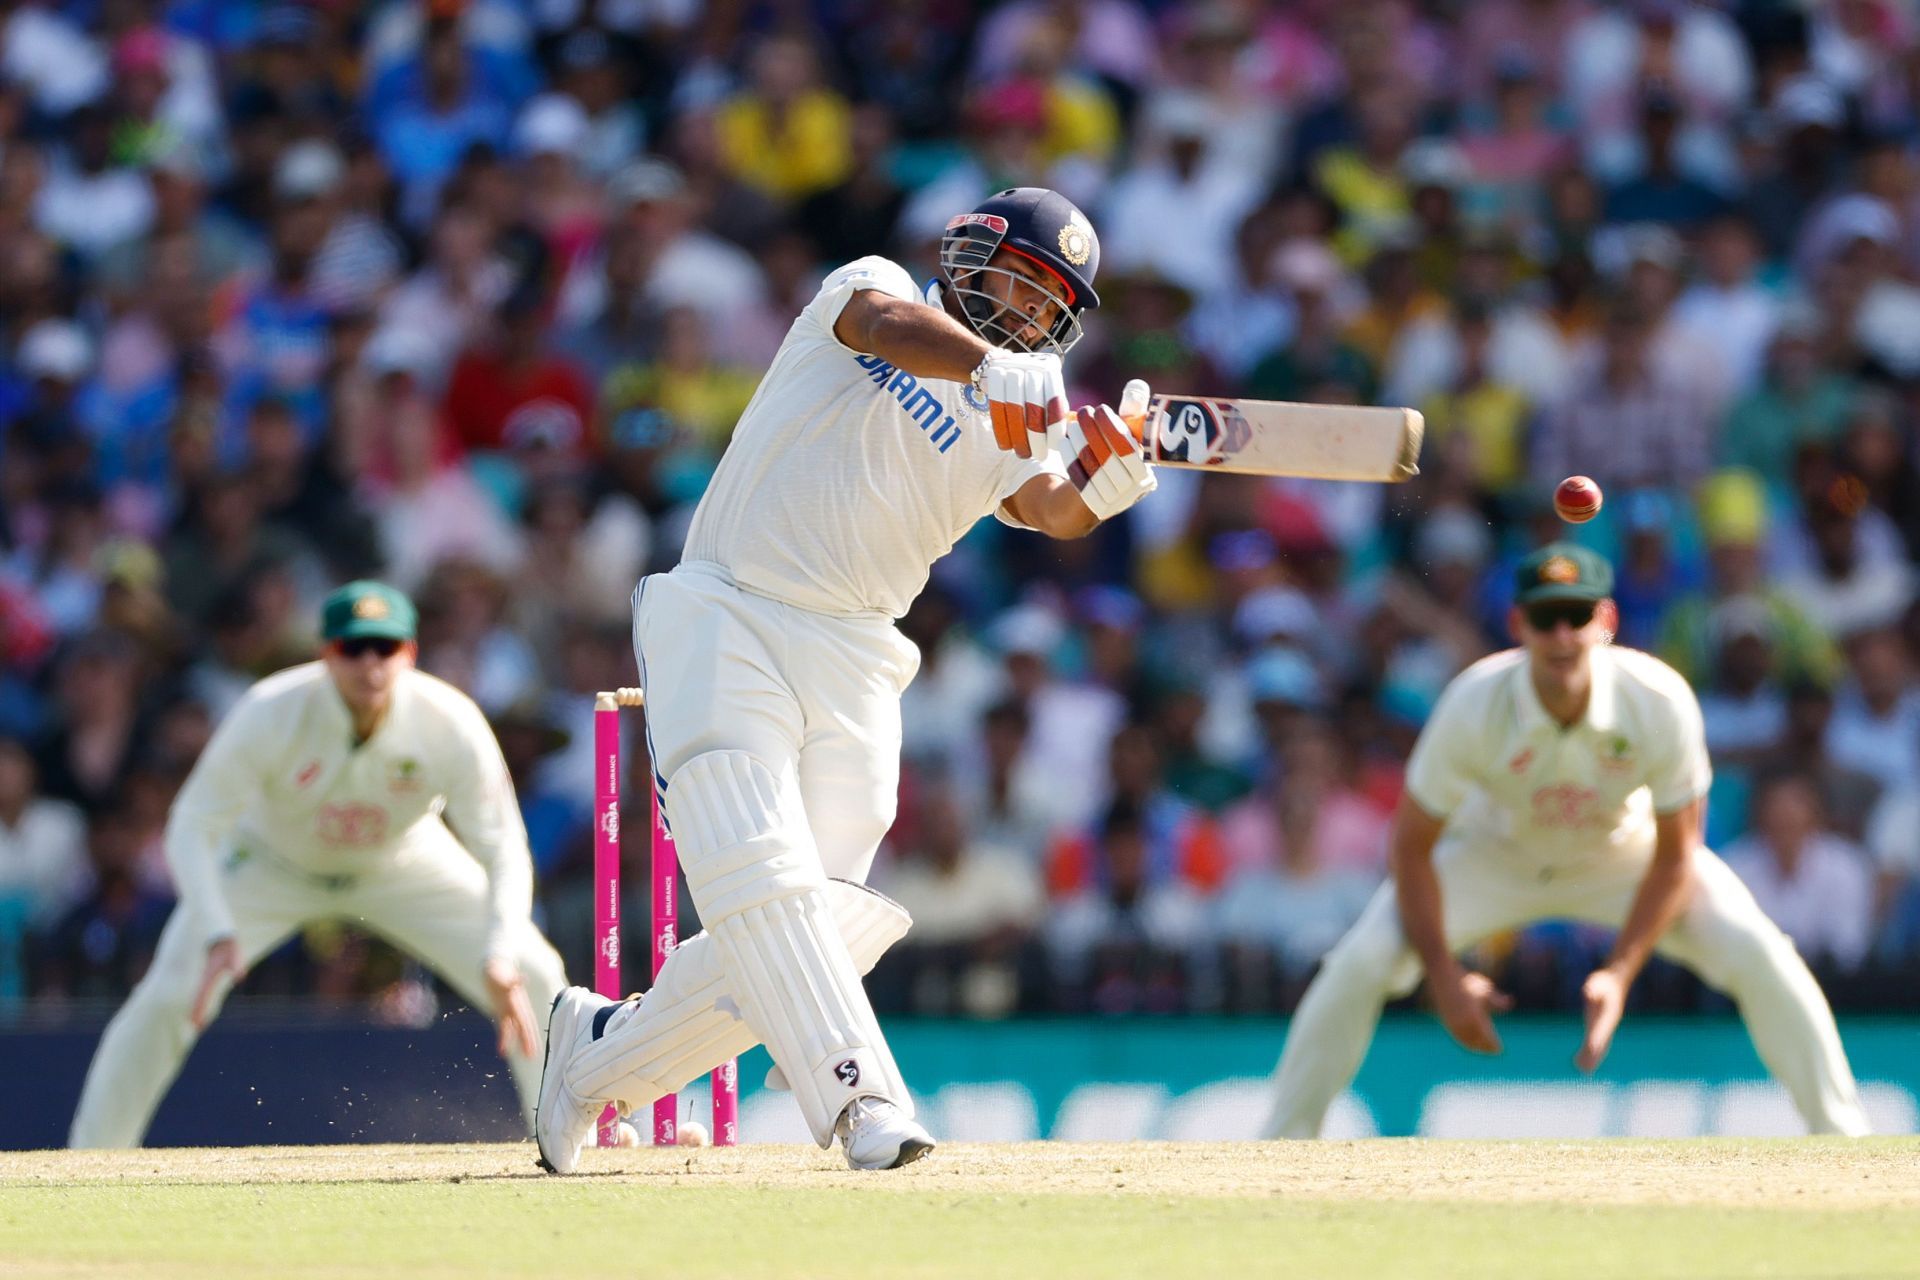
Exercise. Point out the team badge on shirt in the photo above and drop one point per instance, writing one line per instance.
(1618, 756)
(405, 775)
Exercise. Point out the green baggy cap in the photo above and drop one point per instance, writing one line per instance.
(369, 610)
(1562, 571)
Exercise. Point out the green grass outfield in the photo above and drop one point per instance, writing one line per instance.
(1406, 1208)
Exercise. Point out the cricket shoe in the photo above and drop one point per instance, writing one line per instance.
(877, 1134)
(562, 1120)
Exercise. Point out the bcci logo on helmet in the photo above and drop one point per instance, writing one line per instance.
(1076, 239)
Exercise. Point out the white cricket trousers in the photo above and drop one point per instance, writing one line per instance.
(1722, 935)
(727, 670)
(775, 737)
(429, 899)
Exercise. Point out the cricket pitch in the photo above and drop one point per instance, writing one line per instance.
(1400, 1208)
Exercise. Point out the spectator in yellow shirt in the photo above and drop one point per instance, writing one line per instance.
(788, 134)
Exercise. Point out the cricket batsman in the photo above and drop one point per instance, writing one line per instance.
(1565, 778)
(893, 417)
(354, 788)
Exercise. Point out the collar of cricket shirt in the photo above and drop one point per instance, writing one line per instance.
(1603, 698)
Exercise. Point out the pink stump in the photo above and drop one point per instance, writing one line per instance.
(665, 893)
(606, 870)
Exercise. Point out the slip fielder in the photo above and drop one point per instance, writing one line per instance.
(892, 418)
(1564, 778)
(327, 793)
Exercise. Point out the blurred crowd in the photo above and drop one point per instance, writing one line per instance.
(468, 294)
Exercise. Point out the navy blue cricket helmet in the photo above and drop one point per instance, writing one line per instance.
(1041, 226)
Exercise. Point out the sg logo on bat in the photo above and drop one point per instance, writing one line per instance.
(1201, 432)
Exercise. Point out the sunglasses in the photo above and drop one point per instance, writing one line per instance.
(1548, 614)
(358, 647)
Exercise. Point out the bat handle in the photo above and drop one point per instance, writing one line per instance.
(1134, 399)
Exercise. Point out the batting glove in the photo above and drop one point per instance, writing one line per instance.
(1027, 398)
(1108, 467)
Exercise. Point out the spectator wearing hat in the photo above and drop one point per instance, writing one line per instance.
(1804, 118)
(1733, 524)
(562, 202)
(360, 258)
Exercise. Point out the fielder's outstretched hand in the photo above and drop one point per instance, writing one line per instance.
(223, 969)
(1605, 993)
(1027, 399)
(1105, 461)
(1466, 1007)
(507, 993)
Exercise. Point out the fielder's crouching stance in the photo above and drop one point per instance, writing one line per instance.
(891, 420)
(1564, 778)
(321, 796)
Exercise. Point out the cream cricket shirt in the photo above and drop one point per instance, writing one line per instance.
(1505, 774)
(847, 478)
(282, 779)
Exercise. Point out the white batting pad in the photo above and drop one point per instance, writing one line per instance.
(755, 875)
(799, 990)
(689, 1023)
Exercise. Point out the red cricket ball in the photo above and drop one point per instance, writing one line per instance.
(1577, 499)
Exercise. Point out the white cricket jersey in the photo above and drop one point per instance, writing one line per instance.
(1503, 772)
(847, 478)
(282, 778)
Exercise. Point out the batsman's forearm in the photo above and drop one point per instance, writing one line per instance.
(924, 341)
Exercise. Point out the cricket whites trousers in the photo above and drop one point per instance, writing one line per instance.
(775, 738)
(429, 899)
(1722, 935)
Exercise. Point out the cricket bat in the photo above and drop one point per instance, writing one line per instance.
(1280, 438)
